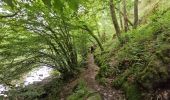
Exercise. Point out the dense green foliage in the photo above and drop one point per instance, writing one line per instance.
(142, 63)
(38, 36)
(131, 49)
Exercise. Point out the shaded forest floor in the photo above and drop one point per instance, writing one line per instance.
(88, 76)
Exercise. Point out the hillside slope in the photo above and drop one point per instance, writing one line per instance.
(142, 64)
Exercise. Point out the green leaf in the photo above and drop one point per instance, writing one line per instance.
(73, 4)
(47, 2)
(9, 2)
(58, 5)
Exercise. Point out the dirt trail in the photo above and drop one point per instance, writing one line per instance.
(88, 75)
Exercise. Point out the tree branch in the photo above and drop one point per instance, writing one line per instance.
(124, 16)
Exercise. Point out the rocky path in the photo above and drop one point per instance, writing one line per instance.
(88, 75)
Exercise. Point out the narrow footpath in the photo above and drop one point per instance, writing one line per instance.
(88, 75)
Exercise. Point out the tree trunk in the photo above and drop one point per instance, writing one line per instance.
(135, 14)
(120, 17)
(125, 16)
(114, 19)
(129, 22)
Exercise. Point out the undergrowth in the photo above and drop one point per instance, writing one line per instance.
(142, 62)
(81, 92)
(38, 91)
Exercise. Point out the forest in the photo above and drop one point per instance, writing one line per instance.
(84, 50)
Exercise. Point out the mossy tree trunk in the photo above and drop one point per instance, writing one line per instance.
(125, 16)
(136, 16)
(114, 20)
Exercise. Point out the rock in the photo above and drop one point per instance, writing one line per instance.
(98, 89)
(110, 95)
(165, 95)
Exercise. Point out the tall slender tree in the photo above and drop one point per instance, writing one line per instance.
(125, 16)
(120, 16)
(114, 19)
(136, 14)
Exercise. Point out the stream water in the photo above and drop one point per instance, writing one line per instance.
(36, 75)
